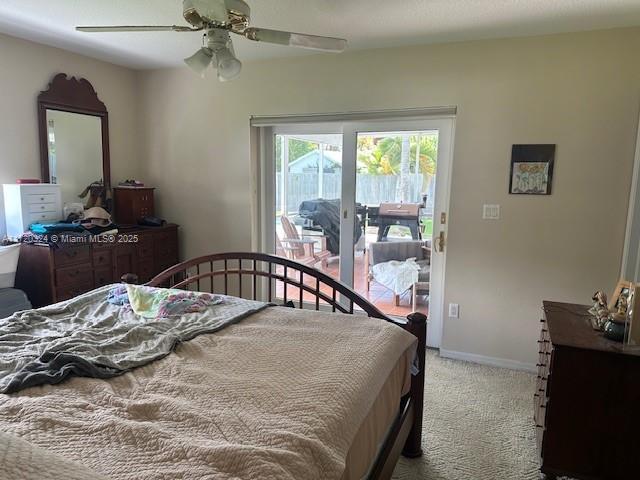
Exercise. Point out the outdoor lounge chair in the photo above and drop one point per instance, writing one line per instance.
(288, 248)
(302, 249)
(381, 252)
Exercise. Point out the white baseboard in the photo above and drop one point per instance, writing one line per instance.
(491, 361)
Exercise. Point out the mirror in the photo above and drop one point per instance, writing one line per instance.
(74, 138)
(74, 152)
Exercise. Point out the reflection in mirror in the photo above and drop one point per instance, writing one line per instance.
(75, 152)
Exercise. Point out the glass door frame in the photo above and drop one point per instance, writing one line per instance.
(266, 185)
(445, 129)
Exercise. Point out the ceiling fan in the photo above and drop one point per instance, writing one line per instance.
(217, 18)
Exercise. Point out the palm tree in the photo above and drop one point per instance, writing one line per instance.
(403, 187)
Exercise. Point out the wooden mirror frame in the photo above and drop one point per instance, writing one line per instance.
(68, 94)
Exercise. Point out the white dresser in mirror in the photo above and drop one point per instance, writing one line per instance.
(25, 204)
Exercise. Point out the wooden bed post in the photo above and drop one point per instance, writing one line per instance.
(417, 325)
(130, 278)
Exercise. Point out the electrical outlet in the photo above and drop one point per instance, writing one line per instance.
(454, 310)
(490, 212)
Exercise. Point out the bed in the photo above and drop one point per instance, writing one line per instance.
(287, 393)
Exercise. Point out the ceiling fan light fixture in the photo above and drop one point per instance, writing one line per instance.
(200, 61)
(229, 66)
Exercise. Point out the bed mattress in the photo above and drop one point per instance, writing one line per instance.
(284, 394)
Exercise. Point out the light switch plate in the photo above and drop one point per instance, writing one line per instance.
(490, 212)
(454, 310)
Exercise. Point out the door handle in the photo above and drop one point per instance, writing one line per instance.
(440, 242)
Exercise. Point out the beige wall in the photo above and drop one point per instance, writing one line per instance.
(27, 68)
(580, 91)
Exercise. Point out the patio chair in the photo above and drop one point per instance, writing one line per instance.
(302, 249)
(381, 252)
(287, 248)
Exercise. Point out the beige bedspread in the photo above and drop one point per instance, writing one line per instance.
(280, 395)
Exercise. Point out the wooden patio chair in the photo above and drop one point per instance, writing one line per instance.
(288, 248)
(303, 248)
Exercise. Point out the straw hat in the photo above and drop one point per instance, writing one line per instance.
(97, 216)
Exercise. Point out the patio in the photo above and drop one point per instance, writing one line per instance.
(309, 178)
(380, 296)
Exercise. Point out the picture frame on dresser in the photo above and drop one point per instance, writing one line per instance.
(632, 339)
(623, 288)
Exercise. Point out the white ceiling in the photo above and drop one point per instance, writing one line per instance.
(365, 23)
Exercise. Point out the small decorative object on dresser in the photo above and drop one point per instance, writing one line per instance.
(132, 204)
(586, 399)
(25, 204)
(49, 274)
(599, 311)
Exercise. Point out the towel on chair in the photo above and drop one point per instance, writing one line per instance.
(396, 275)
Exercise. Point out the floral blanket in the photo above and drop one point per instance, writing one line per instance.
(151, 302)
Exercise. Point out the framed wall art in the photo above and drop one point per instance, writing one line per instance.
(531, 169)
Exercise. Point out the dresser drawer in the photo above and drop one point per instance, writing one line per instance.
(540, 439)
(43, 217)
(34, 198)
(145, 246)
(103, 276)
(165, 250)
(74, 275)
(42, 207)
(70, 291)
(168, 247)
(145, 270)
(102, 257)
(71, 256)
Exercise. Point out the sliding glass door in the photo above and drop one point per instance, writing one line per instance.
(308, 181)
(395, 186)
(366, 203)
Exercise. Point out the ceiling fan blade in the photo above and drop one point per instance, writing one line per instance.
(138, 28)
(314, 42)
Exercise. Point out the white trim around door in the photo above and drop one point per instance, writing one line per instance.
(264, 196)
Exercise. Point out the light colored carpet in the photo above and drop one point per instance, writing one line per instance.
(478, 424)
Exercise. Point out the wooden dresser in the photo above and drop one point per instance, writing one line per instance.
(49, 274)
(587, 399)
